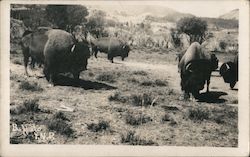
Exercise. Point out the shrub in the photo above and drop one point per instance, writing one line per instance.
(17, 61)
(160, 82)
(133, 80)
(141, 72)
(60, 115)
(137, 119)
(106, 78)
(101, 126)
(222, 45)
(58, 123)
(27, 106)
(31, 87)
(118, 97)
(147, 83)
(132, 139)
(31, 105)
(198, 114)
(142, 100)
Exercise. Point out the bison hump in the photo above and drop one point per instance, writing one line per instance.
(59, 39)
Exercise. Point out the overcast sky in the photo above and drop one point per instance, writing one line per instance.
(205, 8)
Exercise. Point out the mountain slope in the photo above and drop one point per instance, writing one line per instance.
(153, 12)
(232, 15)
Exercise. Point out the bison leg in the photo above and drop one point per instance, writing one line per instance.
(110, 58)
(26, 60)
(46, 72)
(122, 58)
(184, 96)
(76, 75)
(208, 83)
(232, 84)
(32, 64)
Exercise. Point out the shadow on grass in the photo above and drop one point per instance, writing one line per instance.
(67, 81)
(212, 97)
(236, 89)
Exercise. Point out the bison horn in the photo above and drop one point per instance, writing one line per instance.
(228, 67)
(123, 47)
(188, 67)
(73, 48)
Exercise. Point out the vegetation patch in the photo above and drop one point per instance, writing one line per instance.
(133, 80)
(143, 100)
(137, 119)
(132, 139)
(27, 106)
(58, 123)
(140, 72)
(198, 114)
(224, 116)
(17, 61)
(154, 83)
(118, 97)
(30, 86)
(106, 78)
(101, 126)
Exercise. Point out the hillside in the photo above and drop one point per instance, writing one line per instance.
(158, 13)
(232, 15)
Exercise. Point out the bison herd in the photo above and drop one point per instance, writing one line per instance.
(60, 52)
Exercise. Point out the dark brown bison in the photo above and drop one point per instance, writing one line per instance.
(63, 54)
(195, 68)
(32, 46)
(229, 72)
(112, 46)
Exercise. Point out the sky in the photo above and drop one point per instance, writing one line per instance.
(205, 8)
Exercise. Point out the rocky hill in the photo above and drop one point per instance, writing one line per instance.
(232, 15)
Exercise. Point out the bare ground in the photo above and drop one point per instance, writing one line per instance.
(134, 102)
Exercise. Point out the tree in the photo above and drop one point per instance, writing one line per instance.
(194, 27)
(223, 45)
(96, 23)
(66, 17)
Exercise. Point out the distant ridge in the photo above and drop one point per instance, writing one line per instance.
(159, 12)
(232, 15)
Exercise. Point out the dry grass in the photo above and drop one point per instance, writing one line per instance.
(106, 78)
(100, 126)
(152, 113)
(198, 114)
(25, 85)
(133, 119)
(59, 124)
(131, 139)
(27, 106)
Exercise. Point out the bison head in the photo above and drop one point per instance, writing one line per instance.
(193, 77)
(214, 62)
(126, 50)
(80, 54)
(228, 72)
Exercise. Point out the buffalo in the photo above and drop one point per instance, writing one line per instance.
(112, 46)
(195, 68)
(32, 47)
(62, 53)
(229, 72)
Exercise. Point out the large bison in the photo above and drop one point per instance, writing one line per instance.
(62, 53)
(112, 46)
(229, 72)
(195, 68)
(33, 45)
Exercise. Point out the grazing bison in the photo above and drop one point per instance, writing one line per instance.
(229, 72)
(32, 47)
(62, 53)
(112, 46)
(195, 68)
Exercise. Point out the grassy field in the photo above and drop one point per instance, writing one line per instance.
(134, 102)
